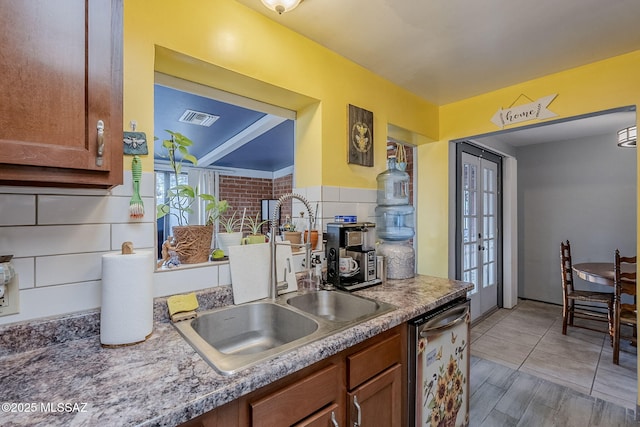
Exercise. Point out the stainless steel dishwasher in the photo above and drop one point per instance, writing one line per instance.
(438, 377)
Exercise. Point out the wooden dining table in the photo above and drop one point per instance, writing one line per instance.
(601, 272)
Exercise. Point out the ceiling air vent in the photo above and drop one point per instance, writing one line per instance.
(198, 118)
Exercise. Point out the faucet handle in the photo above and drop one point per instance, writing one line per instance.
(284, 284)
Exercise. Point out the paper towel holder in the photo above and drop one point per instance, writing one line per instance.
(116, 311)
(127, 248)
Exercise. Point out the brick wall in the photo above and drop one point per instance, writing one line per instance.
(282, 186)
(243, 192)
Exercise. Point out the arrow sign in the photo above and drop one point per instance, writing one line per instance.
(536, 110)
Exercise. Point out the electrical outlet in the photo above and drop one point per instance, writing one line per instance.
(10, 301)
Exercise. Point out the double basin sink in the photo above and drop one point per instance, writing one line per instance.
(236, 337)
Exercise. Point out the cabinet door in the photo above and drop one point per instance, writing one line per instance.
(61, 77)
(378, 402)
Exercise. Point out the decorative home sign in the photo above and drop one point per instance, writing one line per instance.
(535, 110)
(360, 136)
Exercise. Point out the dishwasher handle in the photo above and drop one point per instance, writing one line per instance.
(443, 321)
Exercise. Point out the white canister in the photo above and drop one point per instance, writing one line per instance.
(400, 259)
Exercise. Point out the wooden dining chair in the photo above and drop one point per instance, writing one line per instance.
(574, 301)
(623, 314)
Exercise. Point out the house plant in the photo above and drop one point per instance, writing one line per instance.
(232, 234)
(255, 226)
(401, 157)
(192, 243)
(289, 232)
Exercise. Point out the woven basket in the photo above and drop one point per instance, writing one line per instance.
(193, 243)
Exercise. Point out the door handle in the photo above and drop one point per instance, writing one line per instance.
(446, 320)
(100, 141)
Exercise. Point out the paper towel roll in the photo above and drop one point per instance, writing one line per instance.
(126, 316)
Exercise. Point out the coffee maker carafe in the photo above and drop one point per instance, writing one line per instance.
(352, 246)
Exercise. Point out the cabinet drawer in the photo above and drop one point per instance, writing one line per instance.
(323, 418)
(298, 400)
(373, 360)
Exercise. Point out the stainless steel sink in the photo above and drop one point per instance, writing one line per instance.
(253, 328)
(335, 306)
(239, 336)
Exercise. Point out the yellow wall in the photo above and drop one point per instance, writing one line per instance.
(236, 49)
(595, 87)
(233, 48)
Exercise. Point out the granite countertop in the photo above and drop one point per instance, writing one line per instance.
(163, 381)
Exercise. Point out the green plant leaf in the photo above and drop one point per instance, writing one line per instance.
(161, 210)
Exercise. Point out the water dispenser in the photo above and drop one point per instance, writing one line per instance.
(395, 222)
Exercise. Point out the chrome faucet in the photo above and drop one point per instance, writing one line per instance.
(274, 286)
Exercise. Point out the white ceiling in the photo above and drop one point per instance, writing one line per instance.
(448, 50)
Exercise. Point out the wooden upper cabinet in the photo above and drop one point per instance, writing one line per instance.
(61, 76)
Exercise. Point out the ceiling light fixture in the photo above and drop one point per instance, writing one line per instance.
(627, 137)
(281, 6)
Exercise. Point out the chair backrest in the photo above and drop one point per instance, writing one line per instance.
(624, 280)
(566, 267)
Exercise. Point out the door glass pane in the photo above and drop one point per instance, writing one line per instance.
(472, 177)
(465, 176)
(469, 203)
(489, 224)
(470, 257)
(489, 180)
(489, 275)
(491, 250)
(465, 257)
(471, 276)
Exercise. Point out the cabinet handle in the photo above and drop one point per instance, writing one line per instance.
(100, 139)
(359, 413)
(333, 419)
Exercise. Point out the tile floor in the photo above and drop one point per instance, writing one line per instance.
(504, 397)
(528, 339)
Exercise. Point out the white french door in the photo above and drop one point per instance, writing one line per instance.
(479, 255)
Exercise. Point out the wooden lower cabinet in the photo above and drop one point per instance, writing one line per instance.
(298, 401)
(371, 374)
(378, 401)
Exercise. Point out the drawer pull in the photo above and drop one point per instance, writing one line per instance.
(100, 138)
(359, 412)
(333, 419)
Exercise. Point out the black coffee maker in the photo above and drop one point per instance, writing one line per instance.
(351, 241)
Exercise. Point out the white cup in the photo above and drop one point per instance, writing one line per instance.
(348, 265)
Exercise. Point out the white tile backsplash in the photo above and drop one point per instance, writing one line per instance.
(224, 275)
(62, 269)
(330, 194)
(54, 239)
(56, 300)
(58, 255)
(170, 282)
(17, 209)
(55, 209)
(141, 234)
(26, 272)
(357, 195)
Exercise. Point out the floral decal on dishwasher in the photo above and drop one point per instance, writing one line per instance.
(443, 392)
